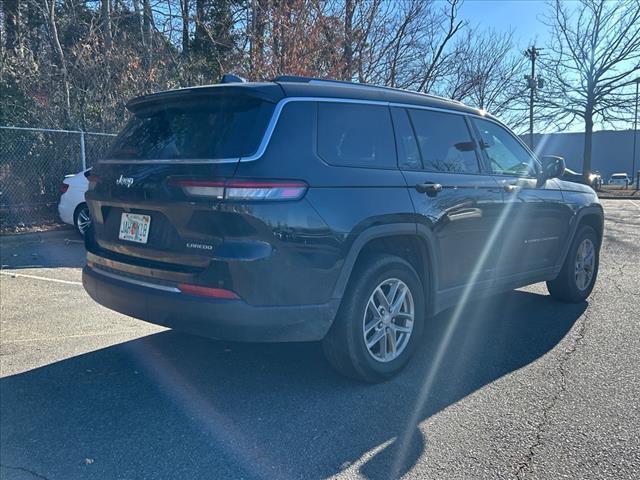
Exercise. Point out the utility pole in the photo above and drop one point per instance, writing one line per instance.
(634, 174)
(532, 83)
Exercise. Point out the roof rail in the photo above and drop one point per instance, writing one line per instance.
(345, 83)
(316, 80)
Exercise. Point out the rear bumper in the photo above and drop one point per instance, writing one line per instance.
(233, 320)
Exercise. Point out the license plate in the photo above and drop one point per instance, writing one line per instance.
(134, 227)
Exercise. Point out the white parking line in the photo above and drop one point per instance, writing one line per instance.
(637, 205)
(36, 277)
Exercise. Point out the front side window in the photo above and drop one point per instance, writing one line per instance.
(445, 142)
(504, 153)
(356, 135)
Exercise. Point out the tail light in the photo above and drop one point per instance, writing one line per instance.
(201, 188)
(64, 187)
(93, 180)
(243, 190)
(240, 190)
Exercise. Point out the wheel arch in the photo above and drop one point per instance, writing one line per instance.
(591, 215)
(593, 220)
(414, 244)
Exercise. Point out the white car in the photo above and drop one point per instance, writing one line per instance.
(621, 179)
(72, 207)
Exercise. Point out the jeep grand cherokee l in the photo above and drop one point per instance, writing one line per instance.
(304, 209)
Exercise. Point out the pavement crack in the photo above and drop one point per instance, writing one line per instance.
(615, 279)
(577, 338)
(23, 469)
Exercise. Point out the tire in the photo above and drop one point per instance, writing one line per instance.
(570, 285)
(345, 347)
(82, 219)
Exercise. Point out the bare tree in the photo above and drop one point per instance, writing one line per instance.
(298, 37)
(12, 24)
(184, 10)
(139, 17)
(443, 29)
(347, 49)
(591, 59)
(82, 59)
(200, 31)
(147, 32)
(405, 44)
(401, 49)
(489, 74)
(50, 7)
(256, 34)
(105, 11)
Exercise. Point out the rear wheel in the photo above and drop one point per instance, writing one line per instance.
(578, 275)
(82, 219)
(380, 320)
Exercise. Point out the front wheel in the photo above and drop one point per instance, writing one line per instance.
(379, 322)
(580, 269)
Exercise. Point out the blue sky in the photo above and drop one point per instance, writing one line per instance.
(521, 16)
(524, 17)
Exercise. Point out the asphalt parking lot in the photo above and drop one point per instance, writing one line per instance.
(525, 387)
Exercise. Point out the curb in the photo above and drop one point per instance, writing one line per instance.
(31, 237)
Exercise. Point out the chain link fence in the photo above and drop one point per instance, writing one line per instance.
(33, 163)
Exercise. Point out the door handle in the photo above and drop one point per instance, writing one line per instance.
(510, 188)
(430, 188)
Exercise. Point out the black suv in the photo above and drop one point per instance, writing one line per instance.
(304, 209)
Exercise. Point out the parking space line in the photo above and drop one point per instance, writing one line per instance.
(36, 277)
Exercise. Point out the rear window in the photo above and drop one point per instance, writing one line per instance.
(619, 176)
(209, 128)
(355, 135)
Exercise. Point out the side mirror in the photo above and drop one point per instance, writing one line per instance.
(552, 167)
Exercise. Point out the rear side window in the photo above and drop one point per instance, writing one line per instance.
(445, 142)
(209, 128)
(355, 135)
(408, 153)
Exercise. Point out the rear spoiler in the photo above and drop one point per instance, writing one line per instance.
(269, 92)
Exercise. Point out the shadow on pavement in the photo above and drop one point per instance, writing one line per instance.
(64, 249)
(175, 406)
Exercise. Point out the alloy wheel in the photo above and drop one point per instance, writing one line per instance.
(585, 264)
(388, 320)
(83, 221)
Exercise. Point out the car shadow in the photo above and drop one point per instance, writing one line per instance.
(175, 406)
(64, 249)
